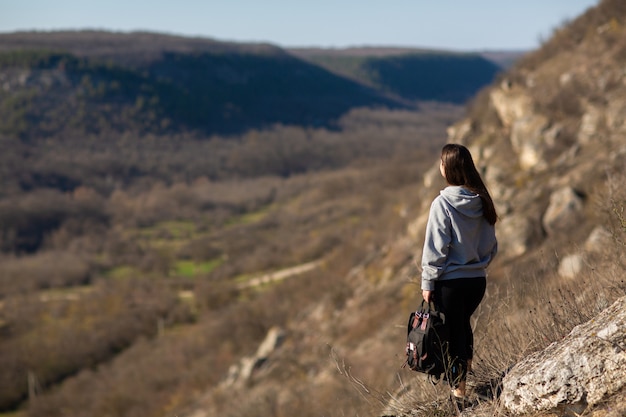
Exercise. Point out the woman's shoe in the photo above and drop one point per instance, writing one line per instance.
(461, 403)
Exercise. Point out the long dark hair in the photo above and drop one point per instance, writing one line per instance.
(460, 170)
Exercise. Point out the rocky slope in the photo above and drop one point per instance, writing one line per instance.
(549, 137)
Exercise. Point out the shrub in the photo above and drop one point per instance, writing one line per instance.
(53, 269)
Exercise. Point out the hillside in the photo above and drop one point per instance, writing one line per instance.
(74, 83)
(410, 74)
(96, 83)
(271, 273)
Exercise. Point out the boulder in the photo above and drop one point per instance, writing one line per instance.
(459, 132)
(240, 373)
(511, 103)
(615, 115)
(516, 234)
(570, 266)
(599, 240)
(527, 139)
(589, 125)
(582, 369)
(273, 340)
(564, 212)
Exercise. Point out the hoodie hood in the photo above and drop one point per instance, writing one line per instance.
(463, 200)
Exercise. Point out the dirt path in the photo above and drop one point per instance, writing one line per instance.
(279, 275)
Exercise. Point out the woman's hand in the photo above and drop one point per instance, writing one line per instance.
(427, 295)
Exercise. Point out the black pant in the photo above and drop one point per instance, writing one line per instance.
(458, 299)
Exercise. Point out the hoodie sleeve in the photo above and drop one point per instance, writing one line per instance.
(494, 249)
(436, 244)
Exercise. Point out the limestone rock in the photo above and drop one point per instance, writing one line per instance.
(564, 211)
(431, 176)
(273, 340)
(599, 240)
(459, 132)
(527, 139)
(416, 228)
(616, 115)
(583, 368)
(240, 373)
(589, 125)
(570, 266)
(511, 104)
(516, 234)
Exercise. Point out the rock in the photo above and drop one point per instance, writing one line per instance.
(599, 240)
(416, 228)
(571, 266)
(432, 176)
(583, 368)
(589, 125)
(516, 234)
(564, 211)
(273, 340)
(527, 139)
(239, 374)
(566, 78)
(459, 132)
(511, 104)
(615, 115)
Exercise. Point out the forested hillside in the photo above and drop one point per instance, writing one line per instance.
(69, 83)
(410, 74)
(48, 93)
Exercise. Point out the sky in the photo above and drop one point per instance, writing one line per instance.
(463, 25)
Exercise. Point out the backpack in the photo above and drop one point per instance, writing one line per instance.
(427, 341)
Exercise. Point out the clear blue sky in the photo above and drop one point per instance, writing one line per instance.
(447, 24)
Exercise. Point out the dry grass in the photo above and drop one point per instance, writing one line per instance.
(509, 326)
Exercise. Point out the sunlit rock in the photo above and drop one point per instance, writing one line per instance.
(599, 240)
(570, 266)
(585, 367)
(511, 105)
(516, 234)
(527, 139)
(564, 211)
(589, 124)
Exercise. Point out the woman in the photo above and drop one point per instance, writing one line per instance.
(460, 243)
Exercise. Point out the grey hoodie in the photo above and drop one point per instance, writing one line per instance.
(459, 242)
